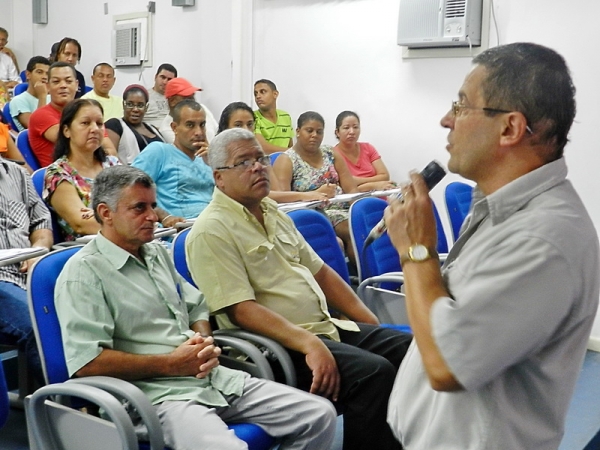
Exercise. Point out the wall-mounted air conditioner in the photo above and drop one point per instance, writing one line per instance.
(439, 23)
(127, 44)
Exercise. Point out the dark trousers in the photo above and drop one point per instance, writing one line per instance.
(367, 361)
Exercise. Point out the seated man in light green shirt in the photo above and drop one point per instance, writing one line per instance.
(125, 312)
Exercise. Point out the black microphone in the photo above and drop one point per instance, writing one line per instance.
(433, 174)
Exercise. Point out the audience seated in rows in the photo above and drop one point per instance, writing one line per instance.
(158, 107)
(69, 51)
(124, 311)
(131, 134)
(24, 104)
(184, 181)
(364, 162)
(7, 51)
(272, 124)
(258, 273)
(44, 122)
(24, 222)
(177, 90)
(240, 115)
(103, 80)
(310, 166)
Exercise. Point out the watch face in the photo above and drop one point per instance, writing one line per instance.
(419, 253)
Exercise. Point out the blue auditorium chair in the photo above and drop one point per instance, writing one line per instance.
(38, 182)
(317, 230)
(8, 118)
(274, 156)
(381, 256)
(25, 148)
(4, 404)
(40, 291)
(20, 88)
(458, 201)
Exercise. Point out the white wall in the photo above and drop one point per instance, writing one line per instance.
(331, 55)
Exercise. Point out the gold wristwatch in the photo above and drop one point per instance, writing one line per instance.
(417, 253)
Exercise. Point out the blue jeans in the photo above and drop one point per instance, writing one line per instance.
(15, 325)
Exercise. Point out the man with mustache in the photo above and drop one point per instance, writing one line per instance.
(184, 181)
(501, 329)
(258, 273)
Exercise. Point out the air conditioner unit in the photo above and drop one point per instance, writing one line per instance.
(439, 23)
(127, 44)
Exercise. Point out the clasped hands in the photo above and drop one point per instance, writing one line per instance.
(196, 357)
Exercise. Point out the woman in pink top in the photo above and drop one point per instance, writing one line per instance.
(363, 160)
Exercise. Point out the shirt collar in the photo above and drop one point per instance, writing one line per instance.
(4, 163)
(510, 198)
(222, 199)
(118, 257)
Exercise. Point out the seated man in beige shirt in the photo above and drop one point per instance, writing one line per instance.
(258, 273)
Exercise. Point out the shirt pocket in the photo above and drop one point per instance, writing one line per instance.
(289, 244)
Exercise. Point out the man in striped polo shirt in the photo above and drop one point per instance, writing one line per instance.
(273, 124)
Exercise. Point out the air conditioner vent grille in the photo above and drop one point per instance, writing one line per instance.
(455, 8)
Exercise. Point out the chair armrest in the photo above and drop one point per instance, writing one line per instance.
(390, 277)
(388, 306)
(40, 426)
(135, 397)
(273, 349)
(263, 368)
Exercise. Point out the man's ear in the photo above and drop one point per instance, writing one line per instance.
(275, 94)
(515, 128)
(105, 213)
(219, 182)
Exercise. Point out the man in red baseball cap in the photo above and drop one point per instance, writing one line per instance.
(177, 90)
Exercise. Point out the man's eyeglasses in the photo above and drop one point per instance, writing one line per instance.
(457, 107)
(131, 105)
(248, 164)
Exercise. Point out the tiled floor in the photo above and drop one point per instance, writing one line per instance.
(583, 418)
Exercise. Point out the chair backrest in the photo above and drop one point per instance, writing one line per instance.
(381, 256)
(274, 156)
(7, 117)
(4, 405)
(458, 201)
(40, 292)
(23, 76)
(38, 182)
(20, 88)
(178, 253)
(320, 235)
(26, 150)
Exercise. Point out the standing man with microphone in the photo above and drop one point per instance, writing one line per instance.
(501, 330)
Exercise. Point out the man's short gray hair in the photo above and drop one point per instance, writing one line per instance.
(218, 149)
(110, 183)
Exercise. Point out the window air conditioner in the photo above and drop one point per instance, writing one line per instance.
(127, 45)
(439, 23)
